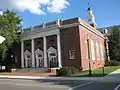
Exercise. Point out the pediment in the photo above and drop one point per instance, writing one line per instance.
(39, 51)
(27, 52)
(51, 49)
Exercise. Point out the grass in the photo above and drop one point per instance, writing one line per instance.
(97, 72)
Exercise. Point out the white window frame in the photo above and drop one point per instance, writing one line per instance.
(97, 51)
(72, 54)
(102, 52)
(92, 50)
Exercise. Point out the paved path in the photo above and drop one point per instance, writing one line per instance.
(17, 84)
(99, 86)
(60, 78)
(115, 74)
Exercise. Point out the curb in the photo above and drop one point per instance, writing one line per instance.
(20, 77)
(60, 78)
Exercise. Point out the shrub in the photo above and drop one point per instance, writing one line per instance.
(67, 71)
(112, 63)
(63, 72)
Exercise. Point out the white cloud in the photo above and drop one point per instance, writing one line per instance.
(1, 13)
(34, 6)
(58, 5)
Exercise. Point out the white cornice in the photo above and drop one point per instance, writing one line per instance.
(79, 23)
(39, 30)
(39, 33)
(94, 31)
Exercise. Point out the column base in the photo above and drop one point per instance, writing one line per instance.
(33, 67)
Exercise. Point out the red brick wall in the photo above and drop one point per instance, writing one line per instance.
(38, 43)
(85, 62)
(70, 40)
(70, 21)
(27, 45)
(52, 41)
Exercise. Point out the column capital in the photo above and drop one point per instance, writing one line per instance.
(32, 38)
(21, 40)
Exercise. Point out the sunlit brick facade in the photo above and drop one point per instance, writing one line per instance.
(62, 43)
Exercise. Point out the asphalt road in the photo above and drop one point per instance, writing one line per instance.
(17, 84)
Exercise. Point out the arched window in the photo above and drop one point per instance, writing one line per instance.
(97, 51)
(92, 50)
(102, 52)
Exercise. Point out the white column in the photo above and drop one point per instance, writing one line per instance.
(33, 55)
(22, 54)
(45, 51)
(37, 62)
(59, 49)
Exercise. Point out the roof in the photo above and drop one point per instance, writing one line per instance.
(64, 24)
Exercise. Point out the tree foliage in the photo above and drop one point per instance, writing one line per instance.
(114, 43)
(9, 25)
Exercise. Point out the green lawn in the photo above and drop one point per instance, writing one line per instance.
(97, 72)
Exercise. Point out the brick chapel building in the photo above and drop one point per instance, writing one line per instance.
(63, 43)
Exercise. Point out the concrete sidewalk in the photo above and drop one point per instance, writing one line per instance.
(114, 74)
(28, 74)
(108, 79)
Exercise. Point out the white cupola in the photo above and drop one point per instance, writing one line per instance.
(90, 17)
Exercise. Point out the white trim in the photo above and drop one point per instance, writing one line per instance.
(33, 56)
(39, 59)
(54, 30)
(22, 54)
(97, 51)
(59, 49)
(72, 54)
(94, 31)
(45, 51)
(38, 34)
(26, 54)
(51, 49)
(52, 58)
(80, 23)
(102, 52)
(92, 50)
(69, 25)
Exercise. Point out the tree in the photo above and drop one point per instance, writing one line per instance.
(114, 44)
(9, 25)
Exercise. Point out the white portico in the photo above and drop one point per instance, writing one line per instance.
(41, 56)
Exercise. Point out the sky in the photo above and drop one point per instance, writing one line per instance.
(35, 12)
